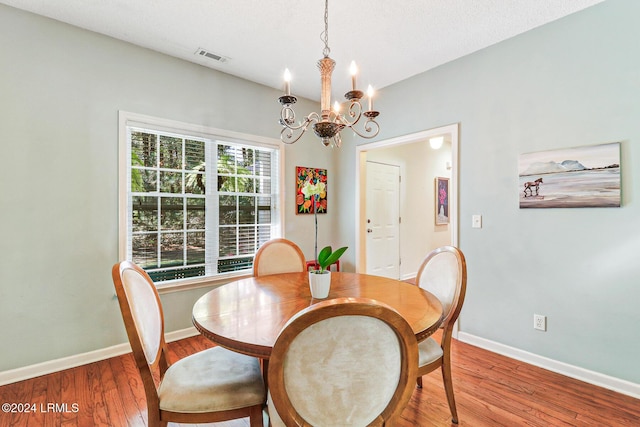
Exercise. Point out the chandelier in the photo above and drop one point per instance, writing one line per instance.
(330, 122)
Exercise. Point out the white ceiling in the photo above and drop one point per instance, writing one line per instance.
(390, 40)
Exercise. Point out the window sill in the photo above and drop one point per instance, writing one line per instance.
(199, 282)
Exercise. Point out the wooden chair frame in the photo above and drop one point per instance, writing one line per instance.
(278, 241)
(343, 307)
(153, 371)
(447, 326)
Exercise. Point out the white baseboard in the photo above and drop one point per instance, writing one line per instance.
(408, 276)
(50, 366)
(591, 377)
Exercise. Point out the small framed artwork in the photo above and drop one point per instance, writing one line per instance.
(442, 201)
(311, 183)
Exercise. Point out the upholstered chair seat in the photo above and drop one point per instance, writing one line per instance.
(429, 351)
(212, 380)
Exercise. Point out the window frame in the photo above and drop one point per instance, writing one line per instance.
(215, 135)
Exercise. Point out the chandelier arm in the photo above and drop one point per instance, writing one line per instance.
(337, 118)
(288, 118)
(288, 133)
(354, 111)
(370, 129)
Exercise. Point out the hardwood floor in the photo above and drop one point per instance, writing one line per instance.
(491, 390)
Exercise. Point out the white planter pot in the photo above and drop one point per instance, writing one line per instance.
(319, 283)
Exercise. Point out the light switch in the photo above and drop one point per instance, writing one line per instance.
(476, 221)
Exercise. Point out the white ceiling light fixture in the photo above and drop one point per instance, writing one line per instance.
(436, 142)
(330, 122)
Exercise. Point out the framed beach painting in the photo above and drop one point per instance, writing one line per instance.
(311, 183)
(442, 201)
(571, 178)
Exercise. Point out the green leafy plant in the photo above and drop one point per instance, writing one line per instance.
(327, 256)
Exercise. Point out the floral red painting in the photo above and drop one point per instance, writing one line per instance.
(311, 186)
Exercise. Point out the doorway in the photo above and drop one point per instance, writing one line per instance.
(421, 167)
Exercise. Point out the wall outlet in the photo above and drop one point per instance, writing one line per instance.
(540, 322)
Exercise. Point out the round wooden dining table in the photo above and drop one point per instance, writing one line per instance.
(247, 315)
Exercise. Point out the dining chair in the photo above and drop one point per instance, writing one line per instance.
(278, 256)
(209, 386)
(443, 272)
(342, 362)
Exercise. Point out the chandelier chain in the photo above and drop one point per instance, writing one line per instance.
(325, 34)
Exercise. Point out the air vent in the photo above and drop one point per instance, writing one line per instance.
(211, 55)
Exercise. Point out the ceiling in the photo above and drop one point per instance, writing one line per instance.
(389, 40)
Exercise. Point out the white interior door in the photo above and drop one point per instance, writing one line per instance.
(383, 220)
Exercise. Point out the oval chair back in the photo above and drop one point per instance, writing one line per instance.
(443, 272)
(346, 361)
(209, 386)
(278, 256)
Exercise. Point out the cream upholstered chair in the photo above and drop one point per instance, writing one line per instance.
(342, 362)
(443, 272)
(209, 386)
(278, 256)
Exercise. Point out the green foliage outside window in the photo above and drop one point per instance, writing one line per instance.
(169, 212)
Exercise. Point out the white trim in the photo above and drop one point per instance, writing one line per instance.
(128, 119)
(173, 126)
(454, 131)
(591, 377)
(170, 286)
(361, 149)
(122, 185)
(56, 365)
(181, 334)
(408, 276)
(576, 372)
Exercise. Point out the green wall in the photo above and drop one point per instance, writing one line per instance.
(60, 92)
(570, 83)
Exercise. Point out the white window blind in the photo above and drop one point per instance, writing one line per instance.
(185, 219)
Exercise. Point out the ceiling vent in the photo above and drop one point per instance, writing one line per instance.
(211, 55)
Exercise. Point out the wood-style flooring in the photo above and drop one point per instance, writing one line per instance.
(491, 390)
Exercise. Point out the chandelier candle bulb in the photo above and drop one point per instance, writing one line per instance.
(354, 71)
(370, 95)
(287, 82)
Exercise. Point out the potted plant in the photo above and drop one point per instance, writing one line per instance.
(320, 279)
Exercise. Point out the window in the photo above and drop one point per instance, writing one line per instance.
(184, 219)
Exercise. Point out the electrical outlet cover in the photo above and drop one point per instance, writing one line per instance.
(539, 322)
